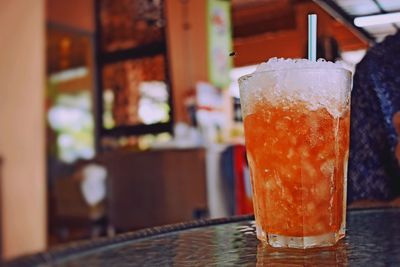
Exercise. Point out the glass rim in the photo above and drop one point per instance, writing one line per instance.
(296, 69)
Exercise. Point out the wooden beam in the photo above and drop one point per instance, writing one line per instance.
(187, 49)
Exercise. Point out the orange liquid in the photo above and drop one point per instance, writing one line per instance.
(298, 160)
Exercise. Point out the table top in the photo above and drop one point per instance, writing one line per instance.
(373, 239)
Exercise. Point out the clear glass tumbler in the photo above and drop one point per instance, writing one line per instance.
(296, 124)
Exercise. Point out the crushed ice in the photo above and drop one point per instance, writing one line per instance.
(324, 86)
(298, 63)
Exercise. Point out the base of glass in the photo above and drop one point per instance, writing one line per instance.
(280, 241)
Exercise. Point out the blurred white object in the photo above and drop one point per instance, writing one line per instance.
(365, 21)
(185, 136)
(217, 204)
(207, 95)
(93, 186)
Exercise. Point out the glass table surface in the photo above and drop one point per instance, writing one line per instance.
(373, 239)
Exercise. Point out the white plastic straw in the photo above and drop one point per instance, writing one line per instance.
(312, 37)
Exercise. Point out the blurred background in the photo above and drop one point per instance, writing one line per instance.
(118, 115)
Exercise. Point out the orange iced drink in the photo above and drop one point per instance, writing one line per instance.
(296, 121)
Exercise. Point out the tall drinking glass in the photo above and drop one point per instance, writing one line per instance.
(296, 121)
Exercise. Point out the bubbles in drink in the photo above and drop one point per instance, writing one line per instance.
(304, 176)
(296, 120)
(327, 168)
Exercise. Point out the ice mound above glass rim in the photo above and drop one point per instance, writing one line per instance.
(284, 82)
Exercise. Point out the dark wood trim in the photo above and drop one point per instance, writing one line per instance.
(137, 130)
(134, 53)
(98, 95)
(168, 73)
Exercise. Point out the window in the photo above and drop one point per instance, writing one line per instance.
(134, 93)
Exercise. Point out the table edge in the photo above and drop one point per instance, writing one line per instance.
(70, 249)
(85, 246)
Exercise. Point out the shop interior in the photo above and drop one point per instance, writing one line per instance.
(135, 121)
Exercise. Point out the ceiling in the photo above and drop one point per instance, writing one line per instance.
(348, 10)
(252, 17)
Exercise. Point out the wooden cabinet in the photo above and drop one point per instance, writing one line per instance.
(155, 187)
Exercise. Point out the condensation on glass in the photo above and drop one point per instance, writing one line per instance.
(297, 139)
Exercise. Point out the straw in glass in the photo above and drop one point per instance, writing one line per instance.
(312, 37)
